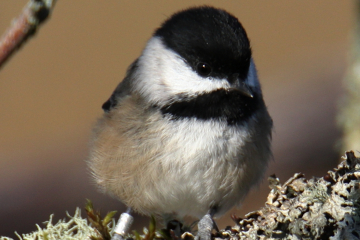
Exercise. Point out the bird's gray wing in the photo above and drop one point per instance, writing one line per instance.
(122, 90)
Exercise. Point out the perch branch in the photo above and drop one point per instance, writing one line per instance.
(317, 208)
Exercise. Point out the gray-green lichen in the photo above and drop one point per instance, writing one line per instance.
(73, 228)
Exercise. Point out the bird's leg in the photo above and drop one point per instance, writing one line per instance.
(206, 225)
(123, 225)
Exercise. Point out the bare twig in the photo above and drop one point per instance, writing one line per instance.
(34, 13)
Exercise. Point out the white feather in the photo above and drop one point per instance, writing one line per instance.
(163, 74)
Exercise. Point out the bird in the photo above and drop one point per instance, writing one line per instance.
(187, 131)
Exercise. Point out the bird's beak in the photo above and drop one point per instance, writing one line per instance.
(244, 90)
(240, 86)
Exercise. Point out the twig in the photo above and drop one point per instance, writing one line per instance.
(34, 13)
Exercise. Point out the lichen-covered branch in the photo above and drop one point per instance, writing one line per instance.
(34, 13)
(317, 208)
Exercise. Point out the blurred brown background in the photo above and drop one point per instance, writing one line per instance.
(51, 93)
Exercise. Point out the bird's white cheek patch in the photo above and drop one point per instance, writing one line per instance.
(163, 73)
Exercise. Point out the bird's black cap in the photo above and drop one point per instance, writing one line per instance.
(211, 36)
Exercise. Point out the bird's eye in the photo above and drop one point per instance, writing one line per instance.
(204, 69)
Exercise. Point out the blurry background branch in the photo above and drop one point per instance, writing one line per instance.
(349, 113)
(34, 13)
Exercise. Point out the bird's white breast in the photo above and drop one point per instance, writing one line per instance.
(206, 164)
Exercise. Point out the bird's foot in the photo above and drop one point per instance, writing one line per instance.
(205, 226)
(123, 225)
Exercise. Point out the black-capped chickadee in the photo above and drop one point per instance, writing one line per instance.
(187, 131)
